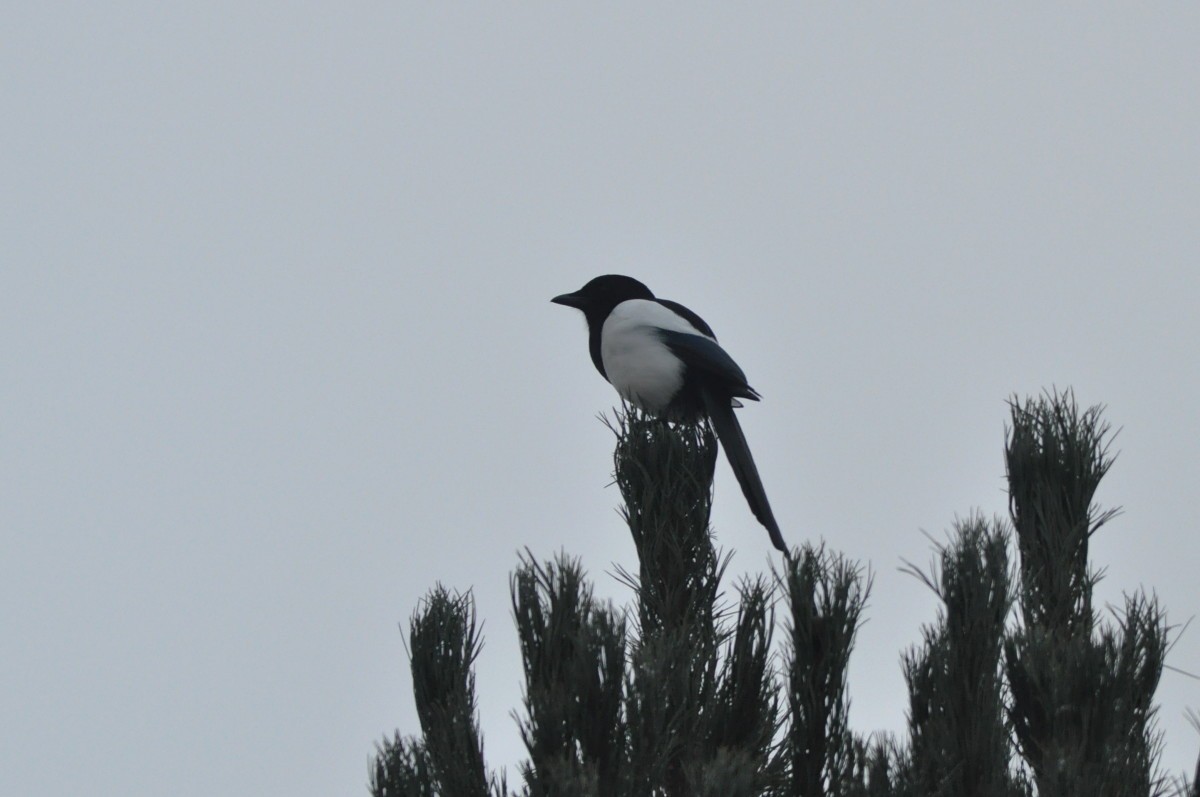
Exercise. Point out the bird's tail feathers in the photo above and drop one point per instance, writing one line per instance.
(737, 451)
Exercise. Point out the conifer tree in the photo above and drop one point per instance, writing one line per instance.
(959, 741)
(1017, 687)
(826, 595)
(1082, 691)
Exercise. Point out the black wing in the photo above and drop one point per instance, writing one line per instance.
(706, 357)
(693, 319)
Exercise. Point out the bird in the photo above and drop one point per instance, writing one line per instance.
(664, 358)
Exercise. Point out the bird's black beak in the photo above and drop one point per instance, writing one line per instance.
(570, 300)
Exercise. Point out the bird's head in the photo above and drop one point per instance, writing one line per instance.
(599, 296)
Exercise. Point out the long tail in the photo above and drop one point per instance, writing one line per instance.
(737, 451)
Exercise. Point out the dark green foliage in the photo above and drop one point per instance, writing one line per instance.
(701, 706)
(1055, 458)
(958, 738)
(682, 695)
(826, 595)
(1192, 788)
(746, 709)
(402, 770)
(444, 646)
(574, 655)
(1086, 715)
(1081, 706)
(443, 643)
(665, 477)
(879, 769)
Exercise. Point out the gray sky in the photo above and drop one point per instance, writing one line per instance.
(278, 352)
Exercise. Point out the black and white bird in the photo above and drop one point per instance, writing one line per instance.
(665, 359)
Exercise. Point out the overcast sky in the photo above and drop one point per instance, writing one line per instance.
(278, 353)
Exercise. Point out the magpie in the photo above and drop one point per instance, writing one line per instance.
(663, 358)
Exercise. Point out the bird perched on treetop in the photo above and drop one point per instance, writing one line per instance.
(665, 359)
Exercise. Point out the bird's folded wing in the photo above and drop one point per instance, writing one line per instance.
(707, 356)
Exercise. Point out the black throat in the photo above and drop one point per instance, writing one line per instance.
(595, 324)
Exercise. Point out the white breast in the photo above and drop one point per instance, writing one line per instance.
(639, 365)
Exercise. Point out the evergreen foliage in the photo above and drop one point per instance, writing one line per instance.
(1016, 688)
(826, 595)
(1081, 707)
(574, 655)
(693, 726)
(958, 734)
(448, 759)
